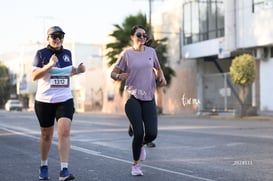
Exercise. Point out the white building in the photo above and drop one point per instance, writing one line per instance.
(213, 32)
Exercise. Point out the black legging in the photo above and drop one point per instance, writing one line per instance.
(143, 117)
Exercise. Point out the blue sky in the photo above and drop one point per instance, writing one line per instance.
(83, 20)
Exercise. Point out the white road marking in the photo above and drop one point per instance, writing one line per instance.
(28, 133)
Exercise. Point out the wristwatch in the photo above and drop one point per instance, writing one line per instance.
(117, 76)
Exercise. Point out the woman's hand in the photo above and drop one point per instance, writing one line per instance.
(81, 68)
(41, 72)
(162, 81)
(123, 76)
(159, 76)
(117, 74)
(52, 61)
(78, 70)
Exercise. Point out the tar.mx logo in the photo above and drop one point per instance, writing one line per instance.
(189, 100)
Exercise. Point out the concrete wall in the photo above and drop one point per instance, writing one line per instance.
(253, 29)
(266, 86)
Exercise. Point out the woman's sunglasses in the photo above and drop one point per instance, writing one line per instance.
(144, 35)
(55, 36)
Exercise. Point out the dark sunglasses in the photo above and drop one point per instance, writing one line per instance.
(55, 36)
(144, 35)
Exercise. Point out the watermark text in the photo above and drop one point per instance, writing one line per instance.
(189, 101)
(242, 163)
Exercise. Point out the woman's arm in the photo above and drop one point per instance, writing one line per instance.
(39, 73)
(78, 70)
(160, 77)
(116, 74)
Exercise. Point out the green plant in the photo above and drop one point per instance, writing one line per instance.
(4, 84)
(243, 70)
(243, 73)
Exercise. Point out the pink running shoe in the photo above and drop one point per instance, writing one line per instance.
(136, 170)
(142, 156)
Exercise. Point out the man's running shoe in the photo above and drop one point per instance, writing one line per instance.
(142, 154)
(44, 173)
(65, 175)
(136, 170)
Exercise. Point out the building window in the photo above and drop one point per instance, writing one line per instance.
(203, 20)
(259, 5)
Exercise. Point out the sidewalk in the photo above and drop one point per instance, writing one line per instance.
(226, 116)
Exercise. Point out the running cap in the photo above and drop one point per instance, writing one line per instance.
(54, 29)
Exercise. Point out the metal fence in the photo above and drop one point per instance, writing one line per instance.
(220, 94)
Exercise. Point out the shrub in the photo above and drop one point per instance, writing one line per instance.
(243, 70)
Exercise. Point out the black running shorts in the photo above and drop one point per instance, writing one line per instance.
(48, 112)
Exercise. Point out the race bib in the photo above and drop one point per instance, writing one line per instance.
(57, 81)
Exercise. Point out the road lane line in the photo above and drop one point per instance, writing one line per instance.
(25, 132)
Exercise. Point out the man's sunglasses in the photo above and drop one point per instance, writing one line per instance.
(55, 36)
(144, 35)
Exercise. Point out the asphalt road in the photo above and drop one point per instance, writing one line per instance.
(187, 149)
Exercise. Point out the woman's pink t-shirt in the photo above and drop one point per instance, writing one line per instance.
(141, 82)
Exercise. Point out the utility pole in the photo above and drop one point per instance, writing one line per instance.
(150, 13)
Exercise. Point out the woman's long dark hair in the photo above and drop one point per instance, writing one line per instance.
(134, 28)
(133, 31)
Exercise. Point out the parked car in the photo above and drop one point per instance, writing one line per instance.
(13, 104)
